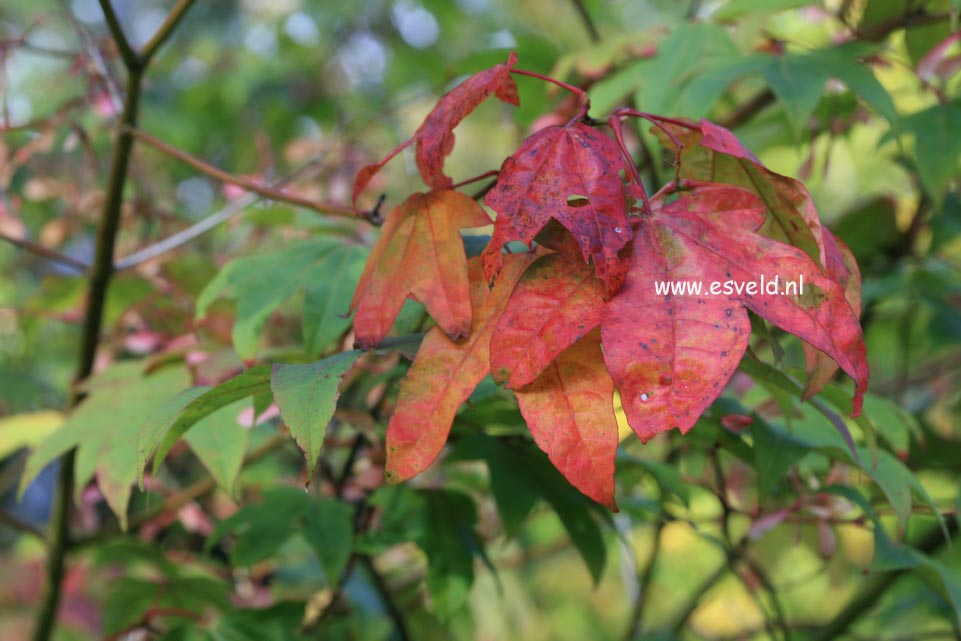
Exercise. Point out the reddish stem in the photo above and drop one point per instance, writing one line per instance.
(656, 121)
(577, 91)
(616, 125)
(486, 174)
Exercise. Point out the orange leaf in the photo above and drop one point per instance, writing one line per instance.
(444, 374)
(556, 302)
(420, 255)
(569, 410)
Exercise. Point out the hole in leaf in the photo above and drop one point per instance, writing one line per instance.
(576, 200)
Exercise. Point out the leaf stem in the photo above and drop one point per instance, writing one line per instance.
(249, 185)
(585, 101)
(131, 59)
(618, 128)
(486, 174)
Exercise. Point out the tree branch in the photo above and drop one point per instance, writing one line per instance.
(131, 59)
(210, 222)
(44, 252)
(383, 590)
(250, 185)
(14, 522)
(165, 30)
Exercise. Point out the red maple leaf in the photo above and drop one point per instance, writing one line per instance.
(571, 175)
(671, 354)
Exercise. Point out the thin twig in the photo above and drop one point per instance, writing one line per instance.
(587, 20)
(380, 584)
(44, 252)
(645, 580)
(14, 522)
(165, 30)
(196, 230)
(250, 185)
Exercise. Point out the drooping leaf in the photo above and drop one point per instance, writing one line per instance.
(419, 255)
(519, 475)
(450, 543)
(169, 422)
(328, 527)
(670, 354)
(307, 397)
(569, 410)
(104, 430)
(444, 374)
(569, 174)
(435, 136)
(556, 302)
(326, 267)
(775, 452)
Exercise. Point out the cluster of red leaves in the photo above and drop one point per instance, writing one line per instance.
(577, 317)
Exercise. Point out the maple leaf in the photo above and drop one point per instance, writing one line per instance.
(556, 302)
(435, 136)
(569, 174)
(420, 255)
(569, 410)
(444, 374)
(670, 355)
(712, 153)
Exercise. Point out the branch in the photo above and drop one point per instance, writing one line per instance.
(586, 19)
(49, 254)
(194, 231)
(393, 611)
(14, 522)
(165, 30)
(130, 58)
(645, 580)
(250, 185)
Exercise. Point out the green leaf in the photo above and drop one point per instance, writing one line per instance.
(164, 428)
(737, 8)
(328, 528)
(937, 145)
(27, 430)
(693, 49)
(798, 85)
(775, 451)
(219, 441)
(261, 529)
(307, 397)
(327, 299)
(450, 542)
(104, 429)
(326, 266)
(667, 477)
(518, 474)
